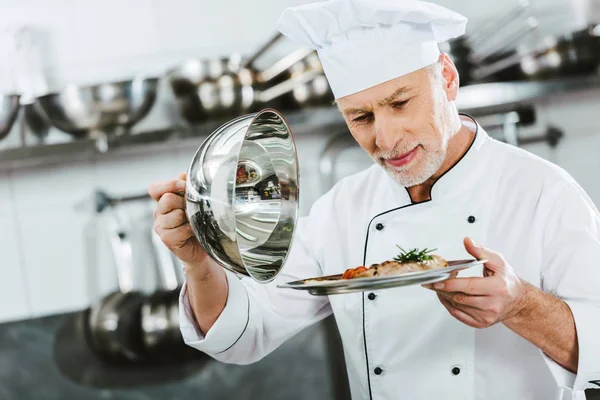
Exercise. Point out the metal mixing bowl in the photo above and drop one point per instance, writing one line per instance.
(242, 194)
(9, 108)
(79, 110)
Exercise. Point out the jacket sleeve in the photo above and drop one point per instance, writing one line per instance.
(571, 271)
(259, 317)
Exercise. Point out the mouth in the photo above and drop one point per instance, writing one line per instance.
(402, 159)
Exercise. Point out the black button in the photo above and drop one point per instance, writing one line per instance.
(372, 296)
(471, 219)
(378, 371)
(379, 226)
(456, 370)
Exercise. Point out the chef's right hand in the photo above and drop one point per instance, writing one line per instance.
(171, 222)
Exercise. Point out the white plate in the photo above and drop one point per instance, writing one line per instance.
(334, 284)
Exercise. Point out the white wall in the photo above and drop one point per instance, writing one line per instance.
(88, 41)
(54, 256)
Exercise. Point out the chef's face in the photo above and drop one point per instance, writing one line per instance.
(405, 123)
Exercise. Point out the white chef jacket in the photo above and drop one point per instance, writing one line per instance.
(401, 343)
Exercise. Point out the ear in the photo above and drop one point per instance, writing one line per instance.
(451, 79)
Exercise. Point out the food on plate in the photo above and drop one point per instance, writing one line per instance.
(412, 260)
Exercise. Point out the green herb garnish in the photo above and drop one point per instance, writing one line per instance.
(414, 255)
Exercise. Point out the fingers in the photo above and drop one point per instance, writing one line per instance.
(169, 202)
(459, 314)
(177, 237)
(472, 286)
(460, 299)
(495, 262)
(171, 220)
(158, 189)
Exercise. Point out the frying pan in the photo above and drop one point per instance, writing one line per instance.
(114, 322)
(314, 92)
(487, 40)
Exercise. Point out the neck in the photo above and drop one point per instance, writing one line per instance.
(459, 143)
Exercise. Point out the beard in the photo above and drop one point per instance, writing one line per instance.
(411, 175)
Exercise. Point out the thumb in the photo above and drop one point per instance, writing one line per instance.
(495, 262)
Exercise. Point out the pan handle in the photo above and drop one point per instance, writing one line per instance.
(283, 64)
(122, 251)
(166, 266)
(278, 67)
(249, 63)
(287, 86)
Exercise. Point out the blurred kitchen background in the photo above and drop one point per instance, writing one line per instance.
(99, 99)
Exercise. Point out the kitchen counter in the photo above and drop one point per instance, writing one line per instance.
(32, 350)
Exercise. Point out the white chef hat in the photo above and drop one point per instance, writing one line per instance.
(362, 43)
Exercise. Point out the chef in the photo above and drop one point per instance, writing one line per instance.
(525, 325)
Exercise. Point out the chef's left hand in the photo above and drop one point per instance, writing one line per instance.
(481, 302)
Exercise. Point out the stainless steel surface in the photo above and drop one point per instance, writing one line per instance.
(36, 120)
(225, 87)
(9, 109)
(208, 89)
(242, 194)
(504, 96)
(577, 53)
(313, 92)
(266, 96)
(81, 110)
(333, 284)
(211, 88)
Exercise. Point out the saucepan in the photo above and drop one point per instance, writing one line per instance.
(572, 54)
(242, 194)
(232, 85)
(221, 88)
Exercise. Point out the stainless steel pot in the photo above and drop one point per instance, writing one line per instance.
(314, 92)
(242, 194)
(9, 108)
(577, 53)
(225, 87)
(36, 121)
(221, 88)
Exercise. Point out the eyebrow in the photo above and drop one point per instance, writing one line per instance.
(394, 96)
(388, 100)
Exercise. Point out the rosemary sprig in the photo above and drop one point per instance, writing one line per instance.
(414, 255)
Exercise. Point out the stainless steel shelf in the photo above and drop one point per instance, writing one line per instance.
(477, 100)
(489, 98)
(323, 119)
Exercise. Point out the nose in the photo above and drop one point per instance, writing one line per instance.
(386, 134)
